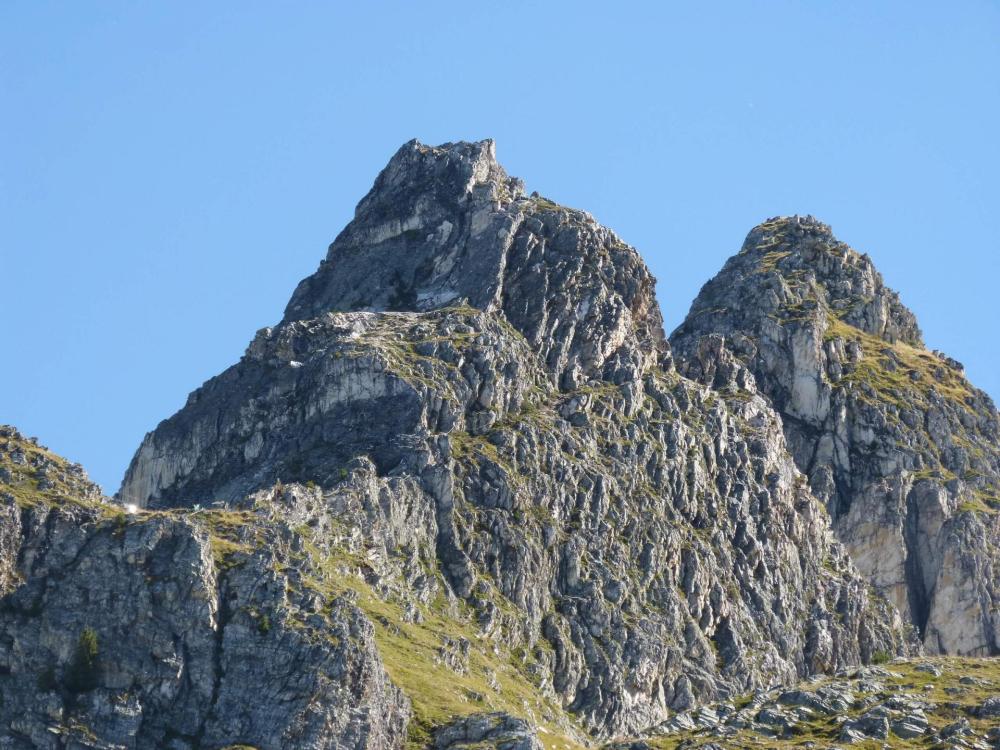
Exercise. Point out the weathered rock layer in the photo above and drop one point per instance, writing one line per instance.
(171, 631)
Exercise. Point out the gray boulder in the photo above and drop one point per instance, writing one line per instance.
(493, 730)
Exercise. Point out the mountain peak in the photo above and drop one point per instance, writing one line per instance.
(896, 442)
(778, 228)
(445, 225)
(450, 173)
(794, 266)
(426, 235)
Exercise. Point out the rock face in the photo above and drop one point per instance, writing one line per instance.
(498, 730)
(128, 632)
(473, 398)
(461, 496)
(894, 440)
(445, 225)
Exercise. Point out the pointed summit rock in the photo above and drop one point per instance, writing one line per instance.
(894, 439)
(444, 225)
(433, 230)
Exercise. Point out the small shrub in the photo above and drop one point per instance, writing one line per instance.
(264, 624)
(880, 657)
(82, 673)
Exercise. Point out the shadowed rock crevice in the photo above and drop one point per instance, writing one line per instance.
(918, 597)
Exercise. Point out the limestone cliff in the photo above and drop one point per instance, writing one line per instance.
(903, 451)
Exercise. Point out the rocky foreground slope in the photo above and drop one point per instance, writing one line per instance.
(462, 476)
(944, 702)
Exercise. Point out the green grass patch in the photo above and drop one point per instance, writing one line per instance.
(899, 373)
(495, 678)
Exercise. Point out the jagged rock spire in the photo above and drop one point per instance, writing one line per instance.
(429, 233)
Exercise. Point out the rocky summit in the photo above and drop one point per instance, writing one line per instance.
(467, 494)
(901, 449)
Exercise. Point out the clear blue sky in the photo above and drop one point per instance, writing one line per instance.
(169, 171)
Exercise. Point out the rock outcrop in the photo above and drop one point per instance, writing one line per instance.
(903, 451)
(461, 496)
(171, 630)
(475, 395)
(941, 702)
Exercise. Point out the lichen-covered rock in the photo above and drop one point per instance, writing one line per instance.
(900, 447)
(476, 406)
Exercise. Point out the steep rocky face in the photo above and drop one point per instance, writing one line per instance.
(896, 442)
(472, 413)
(174, 630)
